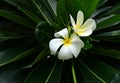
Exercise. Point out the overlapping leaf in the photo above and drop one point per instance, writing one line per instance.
(46, 72)
(14, 54)
(45, 17)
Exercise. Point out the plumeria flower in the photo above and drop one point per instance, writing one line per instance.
(80, 28)
(68, 46)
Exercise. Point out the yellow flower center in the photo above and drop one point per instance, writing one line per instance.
(67, 41)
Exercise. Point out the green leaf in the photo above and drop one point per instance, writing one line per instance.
(47, 72)
(51, 6)
(88, 74)
(103, 71)
(106, 52)
(62, 16)
(43, 54)
(99, 12)
(102, 2)
(31, 15)
(10, 35)
(110, 34)
(16, 18)
(87, 44)
(88, 7)
(11, 30)
(109, 21)
(13, 73)
(7, 37)
(13, 2)
(14, 54)
(113, 10)
(44, 12)
(44, 33)
(91, 8)
(26, 8)
(76, 5)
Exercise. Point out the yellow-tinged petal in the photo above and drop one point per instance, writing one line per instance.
(89, 24)
(80, 18)
(81, 29)
(85, 32)
(87, 28)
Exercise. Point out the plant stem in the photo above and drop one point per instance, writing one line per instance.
(73, 73)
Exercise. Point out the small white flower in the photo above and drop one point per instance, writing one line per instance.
(81, 29)
(68, 46)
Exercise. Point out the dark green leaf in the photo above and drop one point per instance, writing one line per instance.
(113, 10)
(106, 52)
(109, 21)
(110, 34)
(88, 74)
(88, 7)
(92, 5)
(99, 11)
(4, 35)
(103, 71)
(47, 72)
(62, 16)
(76, 5)
(51, 6)
(43, 54)
(26, 8)
(102, 2)
(44, 33)
(16, 18)
(87, 44)
(14, 54)
(13, 2)
(13, 73)
(43, 11)
(31, 15)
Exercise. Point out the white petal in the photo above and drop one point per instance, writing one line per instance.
(76, 45)
(54, 44)
(72, 21)
(89, 24)
(80, 18)
(87, 28)
(62, 33)
(85, 32)
(64, 53)
(75, 48)
(75, 38)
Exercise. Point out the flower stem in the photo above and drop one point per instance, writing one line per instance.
(73, 73)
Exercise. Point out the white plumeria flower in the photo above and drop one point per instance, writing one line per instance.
(81, 29)
(69, 46)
